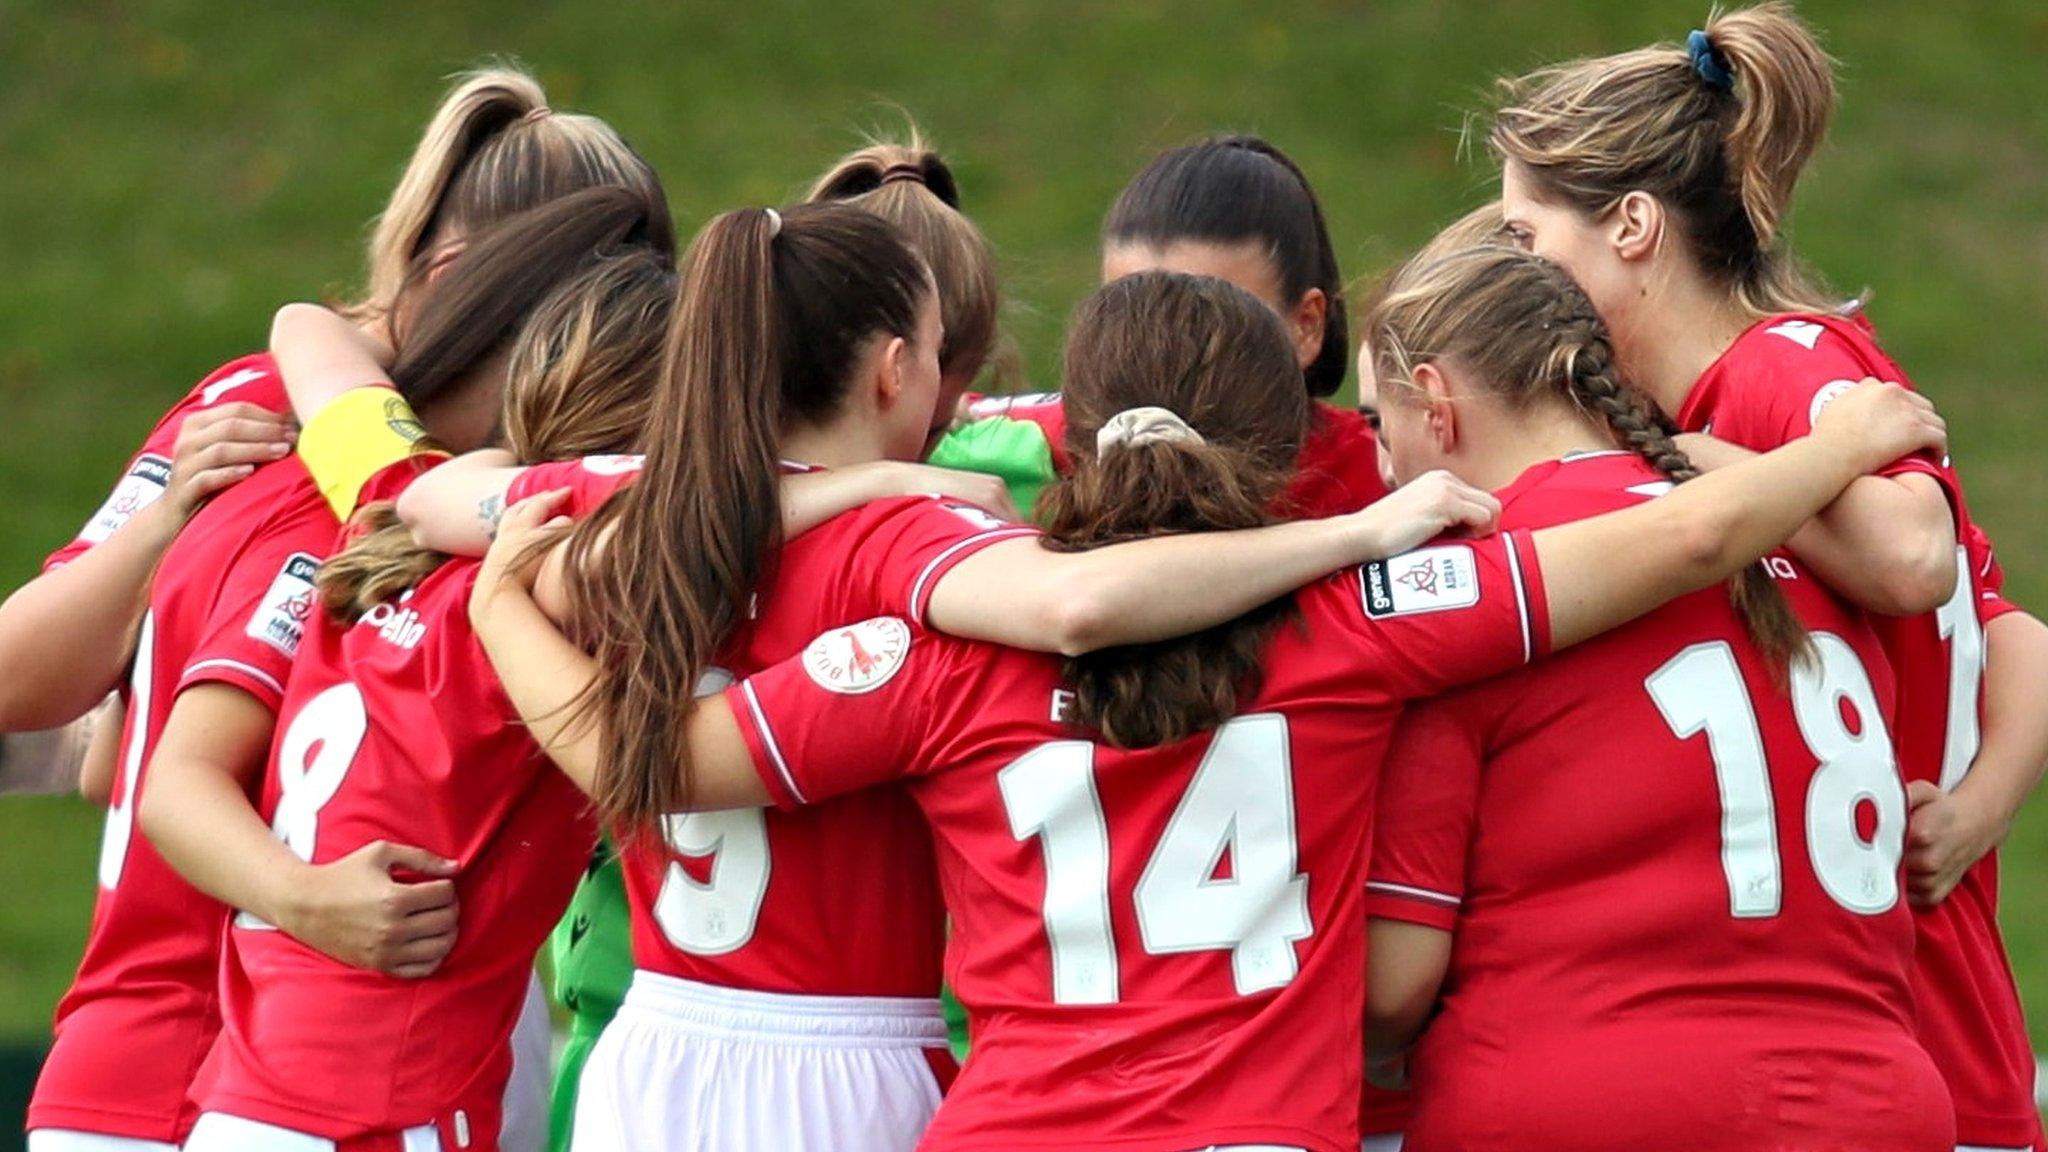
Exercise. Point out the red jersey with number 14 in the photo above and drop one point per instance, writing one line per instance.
(1764, 391)
(1159, 949)
(228, 605)
(1675, 891)
(839, 900)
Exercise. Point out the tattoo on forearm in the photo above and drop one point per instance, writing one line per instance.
(490, 510)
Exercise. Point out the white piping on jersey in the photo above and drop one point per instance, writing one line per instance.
(1426, 895)
(256, 673)
(1521, 598)
(768, 738)
(1592, 454)
(917, 589)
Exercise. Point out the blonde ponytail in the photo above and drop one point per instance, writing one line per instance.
(1785, 96)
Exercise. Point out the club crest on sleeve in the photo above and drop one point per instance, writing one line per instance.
(1804, 333)
(145, 482)
(1427, 580)
(859, 658)
(1825, 397)
(612, 465)
(280, 620)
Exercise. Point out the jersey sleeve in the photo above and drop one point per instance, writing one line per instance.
(1450, 613)
(590, 481)
(266, 602)
(1990, 575)
(907, 546)
(1428, 805)
(849, 712)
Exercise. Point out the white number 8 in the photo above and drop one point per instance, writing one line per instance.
(312, 760)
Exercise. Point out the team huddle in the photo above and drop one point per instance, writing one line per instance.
(1598, 739)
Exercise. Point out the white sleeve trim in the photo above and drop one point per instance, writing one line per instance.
(768, 740)
(1426, 895)
(248, 670)
(1521, 598)
(918, 589)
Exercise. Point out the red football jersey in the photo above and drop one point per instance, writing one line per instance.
(396, 729)
(839, 900)
(229, 604)
(1338, 470)
(1675, 890)
(1158, 949)
(1764, 391)
(251, 379)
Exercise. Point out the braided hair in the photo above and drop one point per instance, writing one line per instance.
(1529, 332)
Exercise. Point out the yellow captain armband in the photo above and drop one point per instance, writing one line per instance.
(357, 436)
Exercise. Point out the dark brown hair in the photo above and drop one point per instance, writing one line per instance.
(1529, 335)
(493, 149)
(910, 186)
(1723, 158)
(579, 379)
(1211, 353)
(1236, 190)
(770, 325)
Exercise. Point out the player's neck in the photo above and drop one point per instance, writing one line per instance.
(1677, 333)
(833, 445)
(1531, 438)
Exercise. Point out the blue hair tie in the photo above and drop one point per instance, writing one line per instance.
(1709, 63)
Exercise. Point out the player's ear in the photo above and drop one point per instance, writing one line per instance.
(1439, 411)
(887, 376)
(1305, 324)
(442, 259)
(1635, 228)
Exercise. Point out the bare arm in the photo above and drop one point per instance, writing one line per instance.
(1407, 970)
(1950, 831)
(1706, 530)
(45, 762)
(196, 811)
(102, 752)
(1886, 544)
(455, 508)
(321, 356)
(1021, 594)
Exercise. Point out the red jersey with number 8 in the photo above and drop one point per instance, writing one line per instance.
(1159, 949)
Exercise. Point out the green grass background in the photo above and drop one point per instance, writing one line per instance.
(171, 172)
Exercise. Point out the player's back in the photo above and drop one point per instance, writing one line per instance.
(394, 729)
(1677, 906)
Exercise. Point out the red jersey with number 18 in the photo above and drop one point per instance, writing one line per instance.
(1764, 391)
(395, 729)
(1159, 949)
(839, 900)
(228, 605)
(1675, 890)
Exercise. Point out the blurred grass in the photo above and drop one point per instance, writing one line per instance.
(170, 172)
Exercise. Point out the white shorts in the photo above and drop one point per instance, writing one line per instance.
(686, 1067)
(66, 1140)
(524, 1127)
(220, 1132)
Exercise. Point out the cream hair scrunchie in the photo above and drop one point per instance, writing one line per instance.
(1134, 426)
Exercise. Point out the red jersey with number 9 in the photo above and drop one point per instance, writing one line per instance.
(1159, 949)
(839, 900)
(1674, 888)
(1764, 391)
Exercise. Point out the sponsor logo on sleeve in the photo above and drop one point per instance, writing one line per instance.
(1825, 397)
(280, 620)
(612, 465)
(1427, 580)
(144, 484)
(1804, 333)
(859, 658)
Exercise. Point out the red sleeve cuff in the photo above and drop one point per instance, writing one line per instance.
(946, 561)
(1534, 603)
(1385, 900)
(1991, 605)
(761, 745)
(261, 683)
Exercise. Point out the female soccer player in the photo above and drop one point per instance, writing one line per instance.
(392, 730)
(1660, 178)
(803, 948)
(225, 615)
(1238, 208)
(1683, 837)
(1159, 945)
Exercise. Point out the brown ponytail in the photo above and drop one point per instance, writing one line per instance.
(1526, 332)
(493, 149)
(1219, 359)
(1721, 141)
(578, 383)
(772, 316)
(910, 186)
